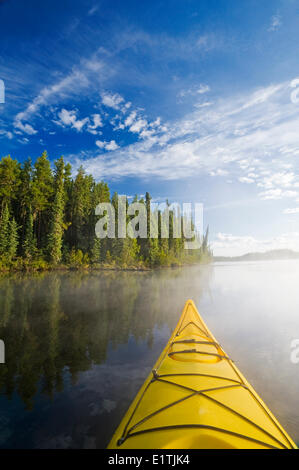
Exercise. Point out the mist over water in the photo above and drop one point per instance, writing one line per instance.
(79, 345)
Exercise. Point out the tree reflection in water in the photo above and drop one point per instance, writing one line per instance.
(58, 325)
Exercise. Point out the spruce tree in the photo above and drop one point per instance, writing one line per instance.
(10, 181)
(42, 194)
(81, 209)
(25, 193)
(28, 245)
(13, 239)
(57, 213)
(4, 231)
(96, 251)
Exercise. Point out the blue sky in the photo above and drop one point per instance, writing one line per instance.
(194, 101)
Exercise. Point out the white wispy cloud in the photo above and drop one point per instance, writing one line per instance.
(202, 105)
(275, 23)
(137, 126)
(7, 134)
(68, 118)
(97, 121)
(219, 172)
(278, 193)
(130, 119)
(86, 74)
(194, 90)
(93, 128)
(292, 210)
(93, 10)
(260, 96)
(246, 179)
(234, 245)
(112, 100)
(162, 47)
(26, 128)
(23, 141)
(44, 97)
(110, 146)
(253, 138)
(91, 72)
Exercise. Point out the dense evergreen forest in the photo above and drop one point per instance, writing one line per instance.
(47, 220)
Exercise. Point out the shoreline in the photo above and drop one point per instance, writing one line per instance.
(100, 268)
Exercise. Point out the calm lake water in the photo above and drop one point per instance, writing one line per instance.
(79, 345)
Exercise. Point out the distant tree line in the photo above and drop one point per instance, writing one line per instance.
(47, 219)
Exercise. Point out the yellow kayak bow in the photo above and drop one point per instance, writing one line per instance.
(196, 398)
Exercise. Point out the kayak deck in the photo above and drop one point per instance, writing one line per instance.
(196, 397)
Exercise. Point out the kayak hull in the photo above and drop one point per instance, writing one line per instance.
(196, 398)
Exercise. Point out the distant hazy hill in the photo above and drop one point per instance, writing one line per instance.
(268, 255)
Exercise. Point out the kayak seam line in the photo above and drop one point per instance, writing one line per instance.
(195, 392)
(203, 393)
(200, 375)
(278, 427)
(263, 407)
(245, 418)
(160, 410)
(133, 412)
(179, 330)
(204, 390)
(194, 351)
(193, 323)
(191, 341)
(253, 394)
(200, 426)
(185, 313)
